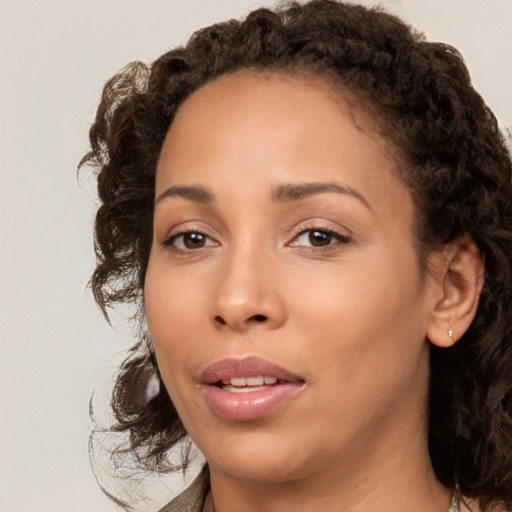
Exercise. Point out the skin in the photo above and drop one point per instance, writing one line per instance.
(351, 316)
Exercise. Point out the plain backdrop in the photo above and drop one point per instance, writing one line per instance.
(56, 349)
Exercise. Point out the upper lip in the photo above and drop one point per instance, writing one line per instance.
(247, 367)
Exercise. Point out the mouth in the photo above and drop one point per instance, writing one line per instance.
(248, 389)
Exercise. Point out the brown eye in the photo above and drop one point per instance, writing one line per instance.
(194, 240)
(190, 240)
(319, 238)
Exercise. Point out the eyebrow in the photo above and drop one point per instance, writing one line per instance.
(194, 193)
(289, 192)
(297, 192)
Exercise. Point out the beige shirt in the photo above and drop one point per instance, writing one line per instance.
(192, 498)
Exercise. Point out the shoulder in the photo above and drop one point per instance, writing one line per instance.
(192, 498)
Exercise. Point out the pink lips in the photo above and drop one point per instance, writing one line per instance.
(252, 404)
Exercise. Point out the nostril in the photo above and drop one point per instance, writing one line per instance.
(254, 318)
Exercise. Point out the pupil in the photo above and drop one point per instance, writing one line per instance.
(193, 240)
(319, 238)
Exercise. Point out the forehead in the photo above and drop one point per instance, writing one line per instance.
(267, 110)
(263, 97)
(252, 129)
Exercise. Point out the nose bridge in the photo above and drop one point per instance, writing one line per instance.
(246, 294)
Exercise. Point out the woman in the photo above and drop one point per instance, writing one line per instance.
(311, 207)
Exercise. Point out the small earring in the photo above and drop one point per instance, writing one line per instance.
(450, 335)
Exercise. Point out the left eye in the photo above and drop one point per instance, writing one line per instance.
(318, 238)
(190, 240)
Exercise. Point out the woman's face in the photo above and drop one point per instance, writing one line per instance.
(283, 293)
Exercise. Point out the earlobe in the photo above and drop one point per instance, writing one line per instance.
(460, 278)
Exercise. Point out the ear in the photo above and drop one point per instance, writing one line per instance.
(459, 278)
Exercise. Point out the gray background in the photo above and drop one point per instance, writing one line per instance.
(55, 347)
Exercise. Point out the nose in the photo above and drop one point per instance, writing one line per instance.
(247, 296)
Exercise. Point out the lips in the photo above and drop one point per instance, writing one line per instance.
(248, 389)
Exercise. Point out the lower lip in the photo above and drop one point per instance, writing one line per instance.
(251, 405)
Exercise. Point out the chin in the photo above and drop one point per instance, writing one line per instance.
(255, 456)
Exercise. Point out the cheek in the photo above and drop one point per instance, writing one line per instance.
(171, 319)
(365, 312)
(172, 315)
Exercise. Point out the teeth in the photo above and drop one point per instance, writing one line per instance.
(260, 380)
(254, 381)
(243, 389)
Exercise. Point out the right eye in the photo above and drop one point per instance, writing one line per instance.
(189, 240)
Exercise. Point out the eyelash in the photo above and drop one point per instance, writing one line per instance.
(341, 239)
(169, 242)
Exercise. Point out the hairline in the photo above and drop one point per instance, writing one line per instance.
(366, 114)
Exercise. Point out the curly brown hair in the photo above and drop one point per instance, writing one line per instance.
(451, 155)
